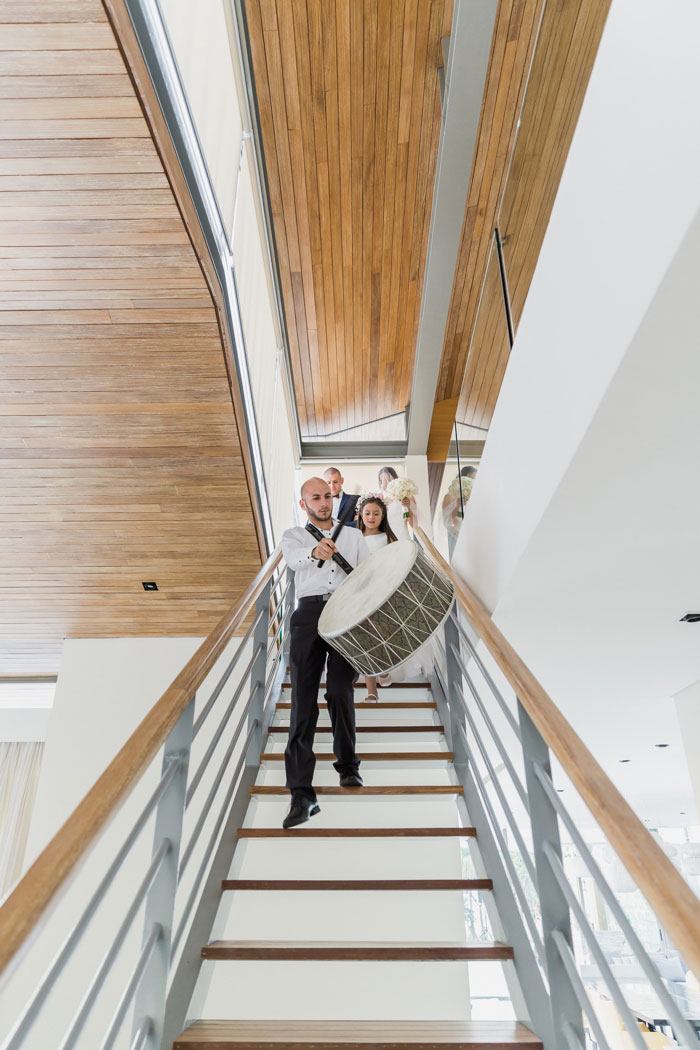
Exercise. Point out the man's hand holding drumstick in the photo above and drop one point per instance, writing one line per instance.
(324, 550)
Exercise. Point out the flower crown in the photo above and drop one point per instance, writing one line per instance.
(367, 496)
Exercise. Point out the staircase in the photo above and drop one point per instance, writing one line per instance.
(348, 931)
(374, 884)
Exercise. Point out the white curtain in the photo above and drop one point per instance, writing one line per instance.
(19, 775)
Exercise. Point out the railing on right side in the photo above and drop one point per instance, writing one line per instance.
(569, 984)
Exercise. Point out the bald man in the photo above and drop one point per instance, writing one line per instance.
(303, 548)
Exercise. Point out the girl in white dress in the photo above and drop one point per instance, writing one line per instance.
(373, 523)
(396, 508)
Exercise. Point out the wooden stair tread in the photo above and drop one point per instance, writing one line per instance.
(349, 1035)
(397, 705)
(355, 951)
(357, 884)
(355, 833)
(392, 685)
(372, 756)
(372, 789)
(429, 728)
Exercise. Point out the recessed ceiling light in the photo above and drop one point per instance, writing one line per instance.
(682, 812)
(661, 745)
(560, 790)
(690, 618)
(149, 585)
(625, 760)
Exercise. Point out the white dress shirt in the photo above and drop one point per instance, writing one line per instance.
(297, 545)
(337, 500)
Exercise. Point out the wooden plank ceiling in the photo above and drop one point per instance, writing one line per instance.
(119, 452)
(350, 112)
(514, 183)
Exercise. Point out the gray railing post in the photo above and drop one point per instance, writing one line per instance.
(566, 1012)
(454, 686)
(160, 902)
(289, 605)
(257, 674)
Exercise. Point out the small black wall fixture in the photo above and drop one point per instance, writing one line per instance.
(690, 618)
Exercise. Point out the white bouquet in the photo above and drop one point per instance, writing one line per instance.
(401, 489)
(466, 487)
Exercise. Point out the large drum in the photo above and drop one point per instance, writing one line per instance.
(387, 608)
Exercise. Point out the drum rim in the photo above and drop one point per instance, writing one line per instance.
(375, 609)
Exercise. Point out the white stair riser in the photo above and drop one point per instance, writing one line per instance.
(363, 717)
(325, 740)
(367, 915)
(325, 774)
(329, 991)
(367, 858)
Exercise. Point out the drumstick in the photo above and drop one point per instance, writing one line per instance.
(341, 521)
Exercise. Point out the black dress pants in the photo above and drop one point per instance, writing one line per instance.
(307, 655)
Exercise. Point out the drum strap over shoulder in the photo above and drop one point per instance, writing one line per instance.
(337, 558)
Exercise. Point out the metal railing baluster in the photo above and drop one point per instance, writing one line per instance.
(569, 963)
(572, 1040)
(683, 1031)
(524, 978)
(141, 1035)
(453, 671)
(517, 783)
(160, 903)
(257, 678)
(553, 903)
(291, 599)
(216, 736)
(556, 866)
(516, 883)
(31, 1011)
(202, 716)
(216, 784)
(510, 816)
(132, 987)
(73, 1033)
(497, 694)
(212, 841)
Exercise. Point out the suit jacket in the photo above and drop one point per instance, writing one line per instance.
(346, 501)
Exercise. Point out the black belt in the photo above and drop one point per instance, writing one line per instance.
(314, 599)
(337, 558)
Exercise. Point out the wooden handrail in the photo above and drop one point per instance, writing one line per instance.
(28, 902)
(675, 904)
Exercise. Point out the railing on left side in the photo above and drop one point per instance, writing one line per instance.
(210, 754)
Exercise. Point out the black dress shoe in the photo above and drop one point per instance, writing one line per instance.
(300, 810)
(350, 780)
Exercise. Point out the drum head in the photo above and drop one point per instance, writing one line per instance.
(367, 588)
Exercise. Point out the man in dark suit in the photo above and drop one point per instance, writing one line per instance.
(341, 500)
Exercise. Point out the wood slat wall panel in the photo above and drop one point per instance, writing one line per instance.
(119, 452)
(566, 47)
(350, 116)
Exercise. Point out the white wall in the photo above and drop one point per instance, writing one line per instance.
(105, 688)
(271, 391)
(203, 38)
(628, 194)
(362, 476)
(581, 535)
(200, 40)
